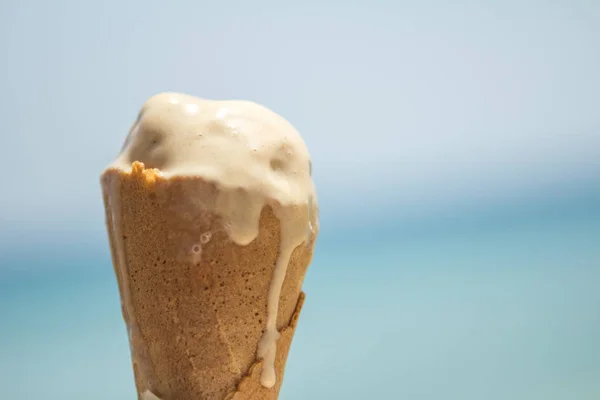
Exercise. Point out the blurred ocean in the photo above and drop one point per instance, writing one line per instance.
(475, 308)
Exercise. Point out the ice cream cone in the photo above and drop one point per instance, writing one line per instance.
(195, 302)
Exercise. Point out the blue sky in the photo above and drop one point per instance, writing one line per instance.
(409, 108)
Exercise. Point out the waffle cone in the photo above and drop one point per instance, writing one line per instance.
(195, 302)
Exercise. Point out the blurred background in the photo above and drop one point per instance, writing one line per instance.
(456, 152)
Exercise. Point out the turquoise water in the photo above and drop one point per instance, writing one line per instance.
(508, 309)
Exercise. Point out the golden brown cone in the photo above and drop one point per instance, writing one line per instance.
(249, 387)
(195, 309)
